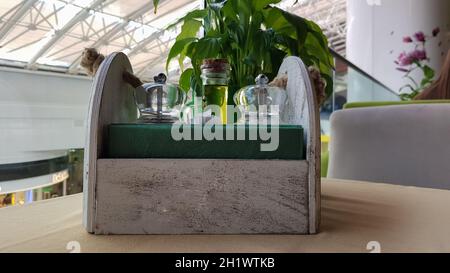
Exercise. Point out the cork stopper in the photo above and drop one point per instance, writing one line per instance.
(215, 65)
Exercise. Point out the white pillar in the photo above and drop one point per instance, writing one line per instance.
(375, 38)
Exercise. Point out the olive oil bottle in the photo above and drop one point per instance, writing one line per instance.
(215, 77)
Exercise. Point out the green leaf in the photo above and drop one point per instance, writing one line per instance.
(229, 12)
(428, 72)
(317, 32)
(177, 49)
(260, 4)
(276, 59)
(217, 5)
(249, 60)
(314, 48)
(195, 14)
(286, 23)
(425, 82)
(207, 47)
(189, 29)
(155, 5)
(238, 9)
(185, 79)
(274, 19)
(302, 38)
(300, 25)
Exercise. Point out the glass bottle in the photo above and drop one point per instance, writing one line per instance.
(215, 77)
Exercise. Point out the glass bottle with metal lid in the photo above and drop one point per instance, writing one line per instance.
(159, 102)
(258, 100)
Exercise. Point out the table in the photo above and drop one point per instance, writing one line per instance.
(399, 218)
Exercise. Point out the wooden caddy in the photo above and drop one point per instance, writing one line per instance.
(192, 196)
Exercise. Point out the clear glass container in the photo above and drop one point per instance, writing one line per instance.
(257, 101)
(159, 102)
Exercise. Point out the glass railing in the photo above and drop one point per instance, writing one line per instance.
(352, 84)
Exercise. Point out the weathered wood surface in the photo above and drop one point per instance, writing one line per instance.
(112, 101)
(193, 196)
(303, 110)
(201, 196)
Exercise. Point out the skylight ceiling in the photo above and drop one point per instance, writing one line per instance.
(51, 34)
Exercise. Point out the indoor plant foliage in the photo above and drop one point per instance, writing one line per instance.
(253, 36)
(417, 59)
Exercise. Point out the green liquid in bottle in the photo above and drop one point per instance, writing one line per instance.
(217, 95)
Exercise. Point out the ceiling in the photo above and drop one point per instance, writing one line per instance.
(51, 34)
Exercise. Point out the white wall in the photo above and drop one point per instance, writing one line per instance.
(42, 115)
(376, 29)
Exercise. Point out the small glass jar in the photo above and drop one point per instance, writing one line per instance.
(159, 102)
(258, 101)
(215, 77)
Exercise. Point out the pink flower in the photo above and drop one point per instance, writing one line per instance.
(407, 39)
(420, 36)
(419, 55)
(405, 59)
(436, 31)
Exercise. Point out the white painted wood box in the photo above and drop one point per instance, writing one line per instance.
(197, 196)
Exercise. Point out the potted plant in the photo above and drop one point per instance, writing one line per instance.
(253, 35)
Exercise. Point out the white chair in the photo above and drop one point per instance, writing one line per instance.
(402, 144)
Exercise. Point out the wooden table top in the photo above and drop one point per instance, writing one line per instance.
(397, 218)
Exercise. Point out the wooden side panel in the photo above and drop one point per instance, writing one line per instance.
(111, 101)
(201, 197)
(303, 110)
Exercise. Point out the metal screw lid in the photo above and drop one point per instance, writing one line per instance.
(262, 79)
(160, 78)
